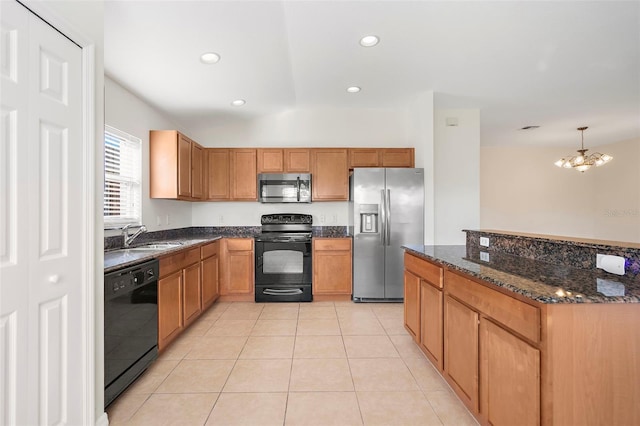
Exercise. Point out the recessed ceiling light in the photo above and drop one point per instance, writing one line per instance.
(209, 58)
(353, 89)
(238, 102)
(369, 41)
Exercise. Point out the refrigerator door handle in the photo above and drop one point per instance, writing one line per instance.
(388, 217)
(383, 213)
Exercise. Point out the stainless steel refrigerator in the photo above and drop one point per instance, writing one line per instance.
(386, 210)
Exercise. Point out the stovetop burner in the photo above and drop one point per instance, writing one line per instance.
(286, 227)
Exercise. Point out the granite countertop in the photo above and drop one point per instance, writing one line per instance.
(539, 281)
(116, 259)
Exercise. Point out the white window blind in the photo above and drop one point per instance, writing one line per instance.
(122, 178)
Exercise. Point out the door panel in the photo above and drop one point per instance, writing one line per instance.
(368, 251)
(405, 190)
(42, 194)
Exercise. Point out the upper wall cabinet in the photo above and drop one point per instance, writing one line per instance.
(287, 160)
(231, 174)
(218, 174)
(242, 168)
(330, 174)
(175, 166)
(381, 157)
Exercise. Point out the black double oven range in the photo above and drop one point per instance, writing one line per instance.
(283, 260)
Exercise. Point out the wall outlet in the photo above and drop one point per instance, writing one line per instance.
(334, 219)
(158, 221)
(221, 219)
(322, 218)
(612, 264)
(166, 220)
(484, 256)
(484, 241)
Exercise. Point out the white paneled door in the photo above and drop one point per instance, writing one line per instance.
(41, 199)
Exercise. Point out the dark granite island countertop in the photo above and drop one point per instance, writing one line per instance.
(539, 281)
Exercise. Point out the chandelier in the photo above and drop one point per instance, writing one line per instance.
(583, 162)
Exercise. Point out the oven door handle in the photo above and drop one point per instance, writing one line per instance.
(281, 292)
(298, 187)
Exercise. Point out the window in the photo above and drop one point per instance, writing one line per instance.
(122, 178)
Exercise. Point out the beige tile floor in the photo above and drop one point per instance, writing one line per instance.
(322, 363)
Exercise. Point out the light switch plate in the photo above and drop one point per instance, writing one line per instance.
(612, 264)
(484, 241)
(484, 256)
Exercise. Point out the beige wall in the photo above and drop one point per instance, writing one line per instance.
(521, 190)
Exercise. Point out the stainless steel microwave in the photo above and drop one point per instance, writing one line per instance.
(284, 187)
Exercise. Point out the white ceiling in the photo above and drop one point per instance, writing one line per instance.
(557, 64)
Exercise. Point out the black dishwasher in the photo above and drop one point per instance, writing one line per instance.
(130, 325)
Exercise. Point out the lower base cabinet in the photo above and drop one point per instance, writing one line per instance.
(332, 268)
(237, 269)
(170, 322)
(188, 284)
(412, 304)
(509, 377)
(431, 340)
(461, 350)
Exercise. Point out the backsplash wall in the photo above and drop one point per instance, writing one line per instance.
(577, 254)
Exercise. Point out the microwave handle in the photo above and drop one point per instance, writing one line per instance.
(298, 185)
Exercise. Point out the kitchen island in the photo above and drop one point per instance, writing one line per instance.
(527, 342)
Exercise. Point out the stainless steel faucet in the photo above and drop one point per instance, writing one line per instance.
(128, 239)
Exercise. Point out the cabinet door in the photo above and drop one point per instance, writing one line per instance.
(364, 157)
(237, 273)
(332, 267)
(297, 160)
(461, 350)
(412, 304)
(196, 171)
(397, 157)
(330, 174)
(209, 280)
(243, 174)
(192, 295)
(431, 322)
(270, 160)
(184, 166)
(169, 308)
(509, 377)
(218, 174)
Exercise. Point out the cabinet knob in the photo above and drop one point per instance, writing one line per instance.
(54, 279)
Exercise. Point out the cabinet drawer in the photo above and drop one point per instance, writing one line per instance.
(332, 244)
(209, 250)
(239, 244)
(174, 262)
(429, 272)
(516, 315)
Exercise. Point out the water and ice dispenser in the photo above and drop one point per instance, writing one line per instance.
(368, 218)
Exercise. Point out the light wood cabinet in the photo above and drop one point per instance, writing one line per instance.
(237, 269)
(270, 160)
(179, 292)
(210, 265)
(509, 377)
(297, 160)
(330, 170)
(192, 287)
(381, 157)
(431, 307)
(461, 350)
(332, 266)
(175, 166)
(426, 301)
(397, 157)
(218, 187)
(283, 160)
(515, 361)
(169, 308)
(412, 304)
(243, 177)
